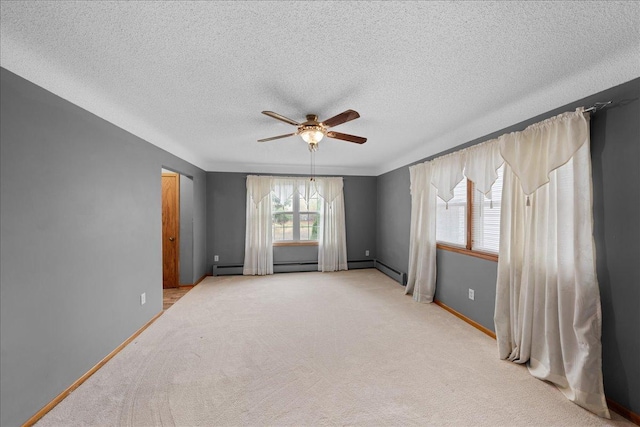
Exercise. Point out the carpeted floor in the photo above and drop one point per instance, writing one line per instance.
(345, 348)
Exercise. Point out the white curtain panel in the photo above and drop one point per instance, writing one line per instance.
(547, 310)
(258, 247)
(421, 280)
(332, 237)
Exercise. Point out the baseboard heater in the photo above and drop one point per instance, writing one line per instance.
(396, 275)
(294, 267)
(287, 267)
(227, 270)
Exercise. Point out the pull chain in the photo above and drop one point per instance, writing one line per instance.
(313, 166)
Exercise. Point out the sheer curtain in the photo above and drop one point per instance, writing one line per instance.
(421, 280)
(332, 238)
(547, 311)
(258, 248)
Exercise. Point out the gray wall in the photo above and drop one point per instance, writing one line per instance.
(226, 193)
(615, 153)
(360, 200)
(80, 224)
(226, 204)
(393, 219)
(477, 274)
(186, 231)
(615, 146)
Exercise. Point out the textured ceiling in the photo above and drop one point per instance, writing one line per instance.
(193, 77)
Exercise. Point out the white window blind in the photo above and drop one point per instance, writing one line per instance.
(485, 218)
(451, 218)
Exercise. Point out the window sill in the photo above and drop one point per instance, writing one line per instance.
(300, 243)
(465, 251)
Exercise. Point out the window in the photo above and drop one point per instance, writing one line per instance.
(470, 223)
(295, 220)
(451, 223)
(486, 218)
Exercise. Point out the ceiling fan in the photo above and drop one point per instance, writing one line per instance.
(312, 131)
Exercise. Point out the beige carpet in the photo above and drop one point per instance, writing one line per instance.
(313, 349)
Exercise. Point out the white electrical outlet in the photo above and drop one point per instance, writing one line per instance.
(216, 258)
(143, 298)
(366, 253)
(472, 295)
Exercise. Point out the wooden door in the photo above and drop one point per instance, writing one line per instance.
(170, 230)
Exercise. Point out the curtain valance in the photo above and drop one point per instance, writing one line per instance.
(447, 173)
(532, 154)
(482, 164)
(329, 188)
(543, 147)
(258, 187)
(284, 187)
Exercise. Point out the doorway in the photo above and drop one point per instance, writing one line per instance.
(170, 230)
(177, 232)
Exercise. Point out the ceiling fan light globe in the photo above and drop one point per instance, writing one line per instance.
(312, 136)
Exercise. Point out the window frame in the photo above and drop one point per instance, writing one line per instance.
(467, 248)
(295, 214)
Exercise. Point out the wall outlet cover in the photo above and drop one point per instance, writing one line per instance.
(216, 258)
(143, 298)
(471, 294)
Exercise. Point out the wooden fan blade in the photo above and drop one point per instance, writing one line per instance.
(281, 117)
(341, 118)
(346, 137)
(276, 137)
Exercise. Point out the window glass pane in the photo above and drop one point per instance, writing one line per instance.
(278, 205)
(309, 218)
(309, 226)
(486, 218)
(303, 204)
(312, 206)
(283, 226)
(451, 218)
